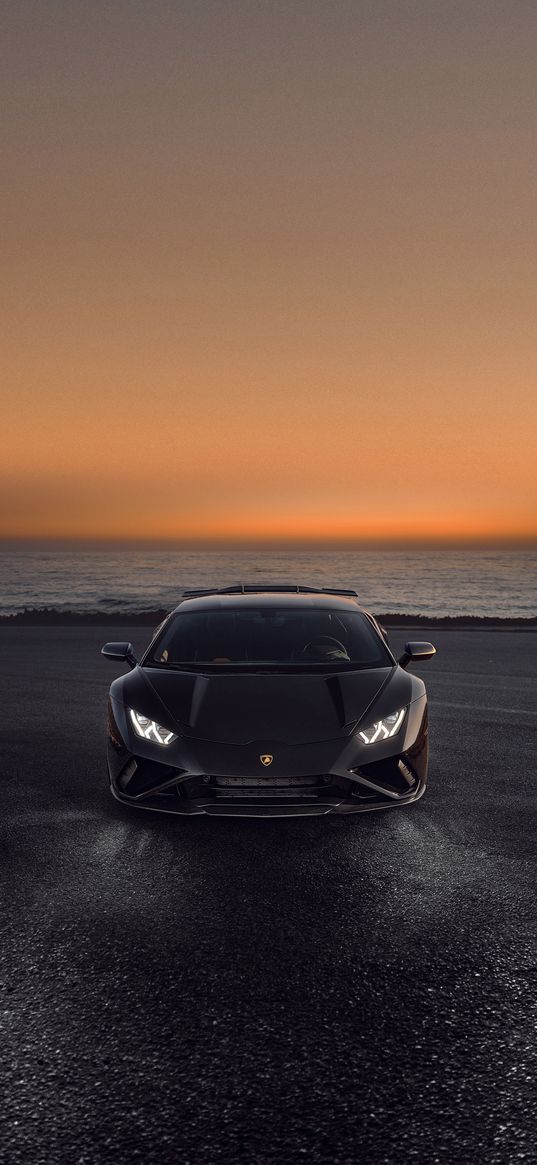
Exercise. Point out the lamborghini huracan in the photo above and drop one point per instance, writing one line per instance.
(268, 700)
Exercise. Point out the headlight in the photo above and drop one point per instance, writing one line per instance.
(150, 730)
(384, 728)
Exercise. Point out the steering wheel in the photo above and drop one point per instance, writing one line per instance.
(330, 648)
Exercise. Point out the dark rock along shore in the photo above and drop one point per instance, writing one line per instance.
(45, 616)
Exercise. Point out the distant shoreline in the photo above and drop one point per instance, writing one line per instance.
(54, 544)
(49, 616)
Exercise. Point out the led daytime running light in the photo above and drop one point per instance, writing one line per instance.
(383, 729)
(150, 730)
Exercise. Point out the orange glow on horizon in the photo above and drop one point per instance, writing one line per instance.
(380, 529)
(270, 274)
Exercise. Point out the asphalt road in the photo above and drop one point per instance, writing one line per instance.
(215, 990)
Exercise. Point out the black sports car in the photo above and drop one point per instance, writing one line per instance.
(268, 701)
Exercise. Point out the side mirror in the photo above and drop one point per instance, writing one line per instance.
(416, 651)
(124, 652)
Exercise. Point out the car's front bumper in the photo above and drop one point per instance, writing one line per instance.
(218, 780)
(395, 781)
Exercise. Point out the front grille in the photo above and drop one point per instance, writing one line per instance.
(263, 788)
(315, 788)
(267, 782)
(252, 794)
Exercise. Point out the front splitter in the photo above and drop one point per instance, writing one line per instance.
(212, 808)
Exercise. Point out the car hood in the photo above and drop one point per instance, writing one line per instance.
(241, 708)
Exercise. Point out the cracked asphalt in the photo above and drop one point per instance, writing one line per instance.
(214, 990)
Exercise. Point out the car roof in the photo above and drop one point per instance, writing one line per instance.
(216, 601)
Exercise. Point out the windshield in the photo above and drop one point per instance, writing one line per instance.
(265, 636)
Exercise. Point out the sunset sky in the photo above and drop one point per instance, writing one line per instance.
(270, 269)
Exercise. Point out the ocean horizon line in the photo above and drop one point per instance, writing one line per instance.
(224, 545)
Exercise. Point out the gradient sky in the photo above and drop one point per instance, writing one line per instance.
(270, 269)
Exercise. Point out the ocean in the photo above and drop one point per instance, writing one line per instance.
(501, 584)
